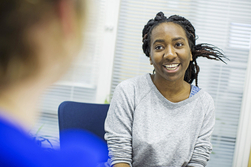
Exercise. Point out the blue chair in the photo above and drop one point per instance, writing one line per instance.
(86, 116)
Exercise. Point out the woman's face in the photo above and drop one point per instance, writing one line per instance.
(170, 53)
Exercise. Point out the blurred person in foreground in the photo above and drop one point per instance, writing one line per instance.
(38, 41)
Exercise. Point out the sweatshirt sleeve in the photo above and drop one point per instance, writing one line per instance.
(118, 125)
(203, 146)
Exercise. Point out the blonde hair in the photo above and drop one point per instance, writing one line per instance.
(17, 59)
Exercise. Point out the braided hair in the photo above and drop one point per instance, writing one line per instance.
(199, 50)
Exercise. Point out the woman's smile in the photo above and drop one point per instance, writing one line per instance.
(172, 68)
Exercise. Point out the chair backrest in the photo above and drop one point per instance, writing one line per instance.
(86, 116)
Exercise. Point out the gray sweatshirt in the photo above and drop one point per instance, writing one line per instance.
(144, 129)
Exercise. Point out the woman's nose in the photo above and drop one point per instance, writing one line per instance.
(170, 54)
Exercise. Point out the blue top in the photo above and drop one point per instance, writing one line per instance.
(194, 90)
(17, 148)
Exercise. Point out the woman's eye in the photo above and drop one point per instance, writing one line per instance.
(179, 44)
(158, 47)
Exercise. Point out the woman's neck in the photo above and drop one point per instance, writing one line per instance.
(174, 91)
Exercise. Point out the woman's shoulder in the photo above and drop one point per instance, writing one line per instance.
(205, 98)
(137, 81)
(205, 94)
(136, 87)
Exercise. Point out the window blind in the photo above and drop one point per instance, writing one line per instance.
(223, 23)
(79, 84)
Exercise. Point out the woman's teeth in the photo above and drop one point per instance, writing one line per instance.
(171, 66)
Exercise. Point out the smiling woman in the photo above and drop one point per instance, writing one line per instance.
(160, 119)
(170, 55)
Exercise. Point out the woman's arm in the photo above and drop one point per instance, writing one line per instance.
(118, 125)
(203, 146)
